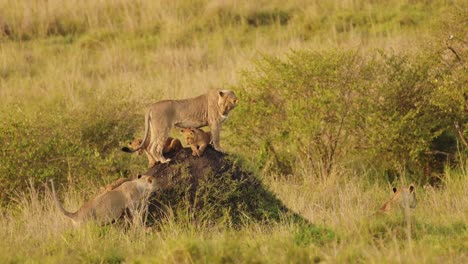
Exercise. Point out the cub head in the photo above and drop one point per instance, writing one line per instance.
(227, 100)
(189, 134)
(135, 143)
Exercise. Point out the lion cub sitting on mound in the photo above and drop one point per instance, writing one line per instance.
(404, 198)
(111, 205)
(172, 144)
(197, 139)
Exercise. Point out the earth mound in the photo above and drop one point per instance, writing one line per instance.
(213, 188)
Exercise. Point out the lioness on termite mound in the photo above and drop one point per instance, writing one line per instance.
(109, 206)
(210, 109)
(197, 139)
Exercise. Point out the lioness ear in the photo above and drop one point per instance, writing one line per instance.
(221, 93)
(139, 176)
(394, 189)
(150, 180)
(411, 188)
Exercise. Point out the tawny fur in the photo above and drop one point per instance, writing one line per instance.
(402, 198)
(171, 145)
(109, 206)
(111, 186)
(197, 139)
(210, 109)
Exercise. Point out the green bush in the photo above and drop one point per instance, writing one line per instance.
(68, 146)
(301, 107)
(392, 112)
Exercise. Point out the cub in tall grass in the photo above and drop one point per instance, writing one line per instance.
(197, 139)
(109, 206)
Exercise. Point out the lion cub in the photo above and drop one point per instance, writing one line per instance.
(111, 205)
(172, 144)
(197, 139)
(404, 198)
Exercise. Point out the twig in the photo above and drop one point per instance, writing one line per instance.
(460, 134)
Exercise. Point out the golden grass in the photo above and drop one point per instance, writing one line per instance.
(33, 230)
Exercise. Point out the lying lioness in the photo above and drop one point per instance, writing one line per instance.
(210, 109)
(111, 205)
(197, 139)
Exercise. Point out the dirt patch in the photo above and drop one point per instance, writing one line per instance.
(213, 188)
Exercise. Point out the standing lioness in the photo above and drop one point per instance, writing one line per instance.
(210, 109)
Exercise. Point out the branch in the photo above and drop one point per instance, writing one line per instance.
(460, 134)
(452, 49)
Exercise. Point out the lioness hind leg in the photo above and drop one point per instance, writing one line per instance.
(156, 149)
(152, 148)
(159, 152)
(151, 159)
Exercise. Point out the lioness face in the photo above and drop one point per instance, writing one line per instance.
(135, 143)
(149, 182)
(227, 101)
(407, 196)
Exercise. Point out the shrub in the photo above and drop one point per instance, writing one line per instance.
(64, 146)
(393, 112)
(302, 107)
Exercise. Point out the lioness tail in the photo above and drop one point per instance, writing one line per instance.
(147, 126)
(57, 202)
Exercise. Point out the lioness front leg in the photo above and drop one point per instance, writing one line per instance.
(215, 138)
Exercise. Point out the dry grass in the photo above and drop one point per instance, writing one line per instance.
(343, 203)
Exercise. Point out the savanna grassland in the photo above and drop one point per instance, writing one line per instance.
(339, 101)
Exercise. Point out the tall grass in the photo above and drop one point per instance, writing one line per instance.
(34, 230)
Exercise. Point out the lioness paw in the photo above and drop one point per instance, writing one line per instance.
(219, 149)
(163, 160)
